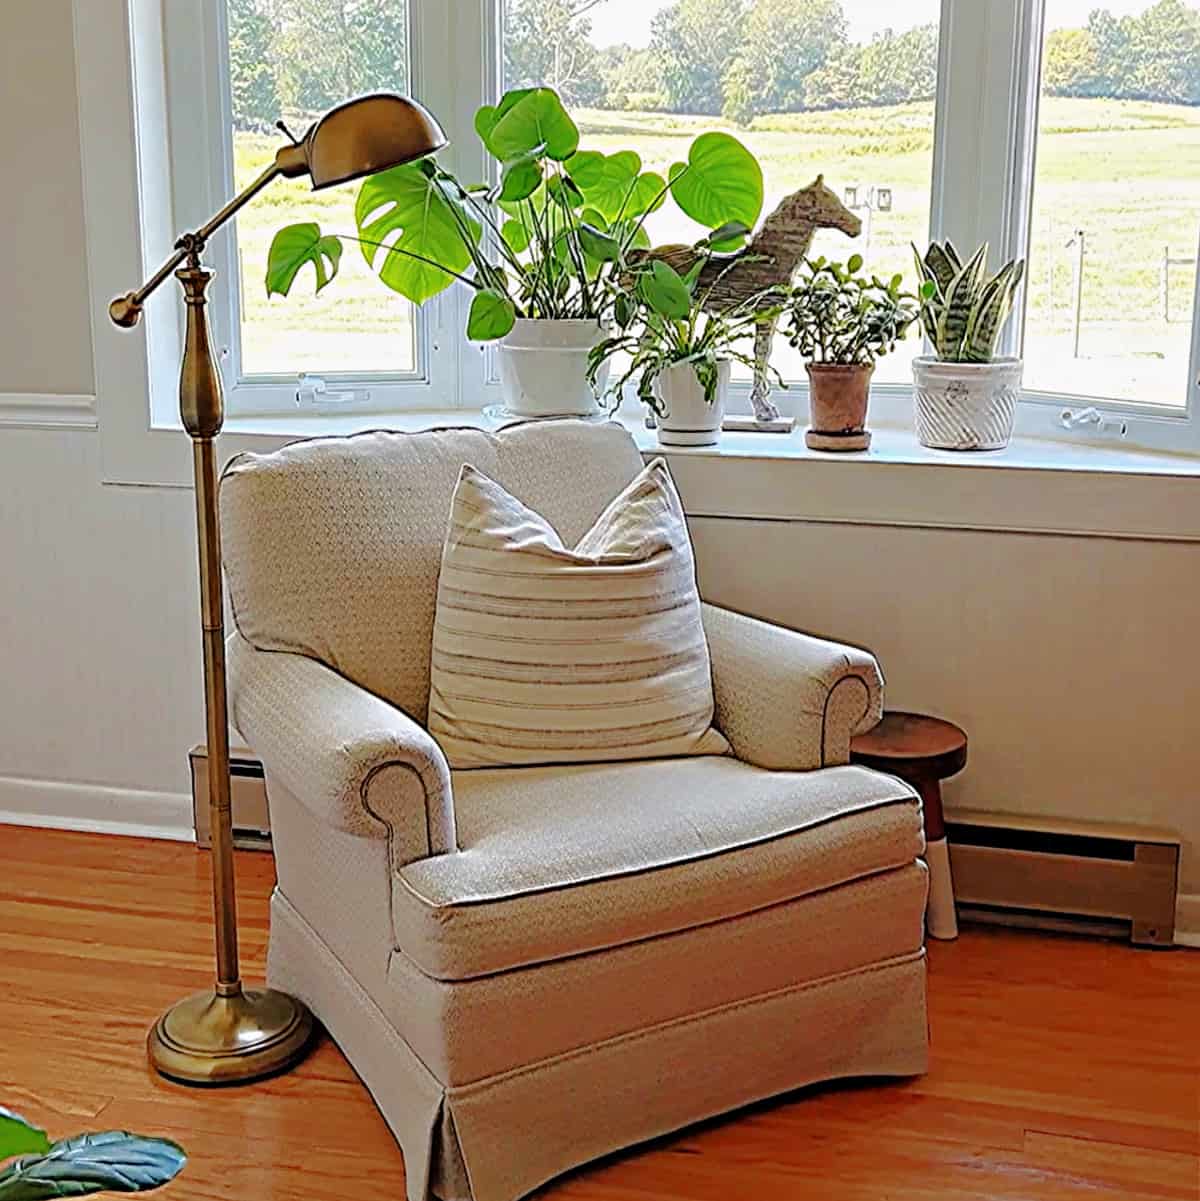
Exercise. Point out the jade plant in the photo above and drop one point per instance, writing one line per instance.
(664, 319)
(545, 239)
(112, 1161)
(963, 310)
(835, 314)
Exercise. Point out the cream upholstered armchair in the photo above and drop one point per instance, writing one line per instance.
(531, 967)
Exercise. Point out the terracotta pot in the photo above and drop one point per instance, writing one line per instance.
(838, 394)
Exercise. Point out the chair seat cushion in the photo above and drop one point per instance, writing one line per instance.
(561, 860)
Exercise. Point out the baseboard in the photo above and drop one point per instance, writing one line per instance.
(1187, 919)
(96, 808)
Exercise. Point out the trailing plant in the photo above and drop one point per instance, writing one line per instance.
(962, 310)
(834, 314)
(83, 1164)
(546, 239)
(663, 321)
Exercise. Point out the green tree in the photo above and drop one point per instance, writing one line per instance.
(327, 50)
(1111, 38)
(548, 42)
(895, 68)
(1164, 45)
(252, 82)
(784, 41)
(694, 40)
(1069, 63)
(838, 83)
(633, 79)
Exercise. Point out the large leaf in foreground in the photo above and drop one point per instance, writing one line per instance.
(92, 1163)
(19, 1136)
(536, 117)
(431, 222)
(721, 181)
(295, 245)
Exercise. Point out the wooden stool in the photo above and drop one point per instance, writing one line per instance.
(922, 751)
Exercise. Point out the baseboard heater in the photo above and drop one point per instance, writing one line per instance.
(248, 800)
(1065, 875)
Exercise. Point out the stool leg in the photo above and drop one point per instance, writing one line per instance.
(940, 918)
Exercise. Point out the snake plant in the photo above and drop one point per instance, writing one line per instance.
(962, 310)
(86, 1163)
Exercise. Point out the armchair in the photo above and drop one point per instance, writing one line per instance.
(532, 967)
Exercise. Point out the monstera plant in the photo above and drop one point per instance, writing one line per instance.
(83, 1164)
(540, 242)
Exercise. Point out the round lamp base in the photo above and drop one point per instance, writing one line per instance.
(210, 1039)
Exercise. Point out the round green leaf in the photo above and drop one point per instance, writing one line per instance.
(599, 245)
(648, 195)
(522, 176)
(431, 223)
(855, 263)
(492, 315)
(720, 182)
(536, 116)
(515, 235)
(295, 245)
(665, 292)
(564, 191)
(604, 179)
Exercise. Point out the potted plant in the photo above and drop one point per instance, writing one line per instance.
(841, 322)
(681, 349)
(965, 397)
(538, 247)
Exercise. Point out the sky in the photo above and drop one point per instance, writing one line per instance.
(616, 21)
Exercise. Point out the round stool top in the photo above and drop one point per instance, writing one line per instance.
(930, 745)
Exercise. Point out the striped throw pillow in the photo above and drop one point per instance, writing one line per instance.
(543, 654)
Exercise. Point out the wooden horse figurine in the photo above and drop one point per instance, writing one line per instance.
(770, 259)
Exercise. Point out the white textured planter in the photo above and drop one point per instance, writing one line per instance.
(543, 368)
(965, 406)
(688, 419)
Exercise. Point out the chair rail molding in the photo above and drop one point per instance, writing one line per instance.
(48, 410)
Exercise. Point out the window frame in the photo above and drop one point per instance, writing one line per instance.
(984, 159)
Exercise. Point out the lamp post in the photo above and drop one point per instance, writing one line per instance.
(234, 1034)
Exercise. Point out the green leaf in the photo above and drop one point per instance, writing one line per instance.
(522, 176)
(854, 263)
(431, 222)
(604, 179)
(564, 192)
(599, 245)
(720, 182)
(92, 1163)
(664, 291)
(295, 245)
(535, 116)
(941, 266)
(18, 1136)
(515, 234)
(648, 195)
(730, 232)
(492, 315)
(961, 298)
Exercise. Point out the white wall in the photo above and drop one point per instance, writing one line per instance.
(1071, 661)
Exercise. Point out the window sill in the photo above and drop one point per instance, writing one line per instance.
(1033, 486)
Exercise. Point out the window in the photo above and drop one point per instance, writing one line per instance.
(1066, 131)
(1116, 202)
(843, 88)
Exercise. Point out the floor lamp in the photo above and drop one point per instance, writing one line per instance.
(234, 1034)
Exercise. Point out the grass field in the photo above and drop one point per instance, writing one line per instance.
(1126, 173)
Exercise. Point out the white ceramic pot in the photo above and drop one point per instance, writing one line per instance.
(965, 406)
(543, 368)
(688, 419)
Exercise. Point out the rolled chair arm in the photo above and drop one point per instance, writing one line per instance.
(355, 761)
(785, 700)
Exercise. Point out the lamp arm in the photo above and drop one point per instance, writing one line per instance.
(126, 310)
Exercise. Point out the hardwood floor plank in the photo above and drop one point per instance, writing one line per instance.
(1063, 1069)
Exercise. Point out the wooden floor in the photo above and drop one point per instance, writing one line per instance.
(1062, 1068)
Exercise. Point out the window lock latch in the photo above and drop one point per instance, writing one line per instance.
(312, 392)
(1077, 419)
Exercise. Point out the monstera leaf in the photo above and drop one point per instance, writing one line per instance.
(295, 245)
(20, 1137)
(604, 179)
(92, 1163)
(525, 119)
(720, 182)
(415, 202)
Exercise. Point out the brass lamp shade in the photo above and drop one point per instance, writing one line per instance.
(360, 137)
(232, 1034)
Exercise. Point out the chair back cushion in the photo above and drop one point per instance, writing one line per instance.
(332, 546)
(552, 653)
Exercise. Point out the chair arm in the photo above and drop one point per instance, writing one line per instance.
(355, 761)
(785, 700)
